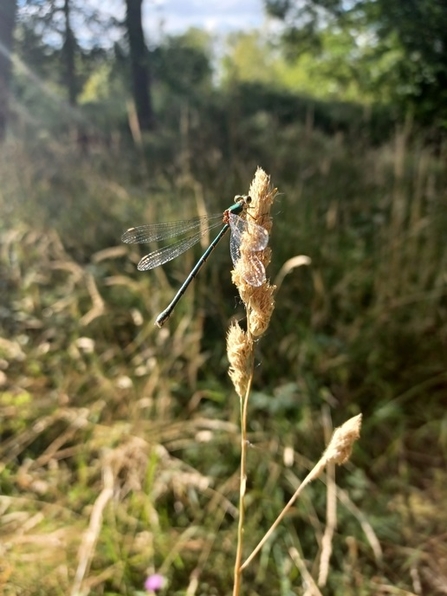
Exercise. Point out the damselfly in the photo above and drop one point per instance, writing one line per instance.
(195, 229)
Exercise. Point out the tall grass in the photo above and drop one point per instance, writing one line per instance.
(119, 442)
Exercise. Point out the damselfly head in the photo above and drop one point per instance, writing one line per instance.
(246, 199)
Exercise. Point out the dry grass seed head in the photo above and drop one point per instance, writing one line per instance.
(340, 446)
(239, 350)
(259, 300)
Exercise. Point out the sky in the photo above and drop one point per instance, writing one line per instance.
(171, 17)
(220, 16)
(176, 16)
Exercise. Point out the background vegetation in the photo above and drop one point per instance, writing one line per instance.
(119, 441)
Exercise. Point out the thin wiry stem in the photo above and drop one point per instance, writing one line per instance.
(338, 451)
(311, 476)
(242, 489)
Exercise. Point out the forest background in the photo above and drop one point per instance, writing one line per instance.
(119, 442)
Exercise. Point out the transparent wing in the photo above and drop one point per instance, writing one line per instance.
(255, 273)
(260, 236)
(160, 256)
(255, 276)
(235, 251)
(165, 230)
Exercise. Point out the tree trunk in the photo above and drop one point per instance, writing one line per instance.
(68, 53)
(8, 10)
(139, 65)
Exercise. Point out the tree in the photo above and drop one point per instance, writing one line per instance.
(50, 23)
(421, 27)
(183, 63)
(8, 9)
(52, 19)
(343, 68)
(139, 65)
(68, 53)
(418, 27)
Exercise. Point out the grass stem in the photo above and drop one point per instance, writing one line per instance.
(242, 490)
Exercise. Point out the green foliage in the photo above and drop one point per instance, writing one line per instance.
(414, 33)
(183, 64)
(347, 66)
(249, 57)
(338, 90)
(48, 45)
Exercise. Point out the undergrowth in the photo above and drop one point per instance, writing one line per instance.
(119, 442)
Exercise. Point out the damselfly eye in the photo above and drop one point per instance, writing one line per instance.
(243, 199)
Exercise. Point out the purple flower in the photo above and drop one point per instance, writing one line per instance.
(154, 582)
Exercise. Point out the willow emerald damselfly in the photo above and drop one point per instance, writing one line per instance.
(193, 230)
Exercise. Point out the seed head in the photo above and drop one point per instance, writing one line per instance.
(239, 351)
(258, 299)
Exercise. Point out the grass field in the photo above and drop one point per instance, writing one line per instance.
(119, 446)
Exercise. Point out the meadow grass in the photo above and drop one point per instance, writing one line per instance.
(120, 442)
